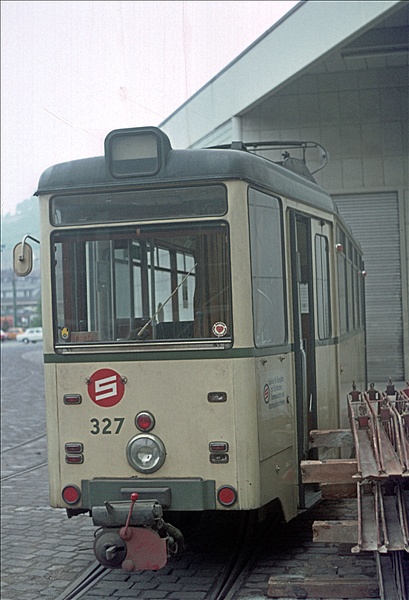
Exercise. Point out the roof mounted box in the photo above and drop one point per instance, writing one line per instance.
(135, 152)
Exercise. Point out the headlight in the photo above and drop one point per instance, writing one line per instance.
(146, 453)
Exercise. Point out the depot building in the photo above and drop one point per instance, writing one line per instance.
(336, 73)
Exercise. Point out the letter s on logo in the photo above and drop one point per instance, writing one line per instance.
(107, 385)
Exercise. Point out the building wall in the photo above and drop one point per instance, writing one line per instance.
(361, 118)
(20, 297)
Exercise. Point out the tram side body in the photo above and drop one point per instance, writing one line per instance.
(257, 421)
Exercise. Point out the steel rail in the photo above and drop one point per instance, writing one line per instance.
(400, 438)
(233, 568)
(375, 435)
(391, 576)
(383, 535)
(352, 422)
(24, 471)
(247, 539)
(84, 582)
(253, 536)
(27, 442)
(404, 436)
(403, 516)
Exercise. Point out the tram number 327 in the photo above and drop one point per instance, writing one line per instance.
(107, 426)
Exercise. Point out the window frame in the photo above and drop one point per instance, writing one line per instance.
(324, 328)
(114, 233)
(284, 315)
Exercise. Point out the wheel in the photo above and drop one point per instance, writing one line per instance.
(26, 341)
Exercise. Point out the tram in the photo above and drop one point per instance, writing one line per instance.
(202, 312)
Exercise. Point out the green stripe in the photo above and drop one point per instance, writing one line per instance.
(169, 355)
(185, 354)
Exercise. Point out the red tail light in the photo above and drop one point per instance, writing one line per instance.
(74, 459)
(218, 446)
(227, 495)
(71, 494)
(74, 447)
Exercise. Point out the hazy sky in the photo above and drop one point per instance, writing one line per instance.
(73, 71)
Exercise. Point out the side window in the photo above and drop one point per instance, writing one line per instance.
(357, 320)
(361, 309)
(322, 285)
(342, 275)
(267, 268)
(350, 287)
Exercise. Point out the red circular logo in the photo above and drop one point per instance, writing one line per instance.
(106, 387)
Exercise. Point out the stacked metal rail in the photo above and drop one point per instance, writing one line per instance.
(378, 471)
(380, 427)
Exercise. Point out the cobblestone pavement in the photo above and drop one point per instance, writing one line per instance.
(292, 554)
(39, 548)
(43, 551)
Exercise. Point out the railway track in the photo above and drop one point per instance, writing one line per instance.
(22, 444)
(244, 543)
(286, 552)
(280, 560)
(273, 559)
(249, 539)
(302, 568)
(16, 459)
(84, 582)
(24, 471)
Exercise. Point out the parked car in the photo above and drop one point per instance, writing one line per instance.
(12, 333)
(33, 334)
(3, 335)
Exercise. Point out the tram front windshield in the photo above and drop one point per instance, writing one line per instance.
(146, 284)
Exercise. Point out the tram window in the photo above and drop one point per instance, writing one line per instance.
(350, 287)
(323, 287)
(355, 284)
(267, 269)
(171, 282)
(342, 283)
(138, 205)
(361, 292)
(359, 286)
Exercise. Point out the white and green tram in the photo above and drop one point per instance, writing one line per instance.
(202, 312)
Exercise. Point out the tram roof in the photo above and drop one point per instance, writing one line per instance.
(189, 166)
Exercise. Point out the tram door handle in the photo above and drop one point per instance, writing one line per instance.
(305, 426)
(303, 355)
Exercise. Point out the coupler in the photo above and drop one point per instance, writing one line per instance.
(134, 536)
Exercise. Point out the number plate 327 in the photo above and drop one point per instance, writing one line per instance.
(107, 426)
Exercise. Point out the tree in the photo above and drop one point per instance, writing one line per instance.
(37, 320)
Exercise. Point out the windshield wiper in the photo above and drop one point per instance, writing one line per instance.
(141, 333)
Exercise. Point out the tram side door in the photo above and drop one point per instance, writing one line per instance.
(304, 343)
